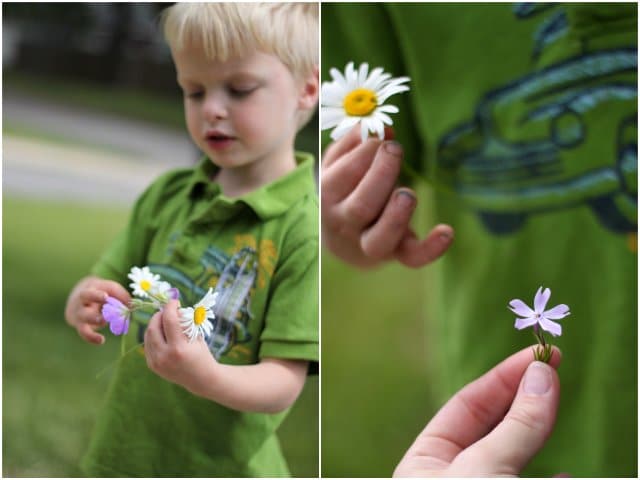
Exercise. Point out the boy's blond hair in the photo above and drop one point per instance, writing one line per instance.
(226, 30)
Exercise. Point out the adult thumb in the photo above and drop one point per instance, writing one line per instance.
(527, 425)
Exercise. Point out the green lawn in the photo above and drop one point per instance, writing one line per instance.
(51, 395)
(375, 392)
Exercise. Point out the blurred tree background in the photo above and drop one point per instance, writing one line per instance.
(91, 113)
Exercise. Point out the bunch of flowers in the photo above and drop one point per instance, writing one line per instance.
(540, 319)
(151, 294)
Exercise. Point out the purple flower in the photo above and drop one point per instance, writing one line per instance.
(539, 316)
(117, 315)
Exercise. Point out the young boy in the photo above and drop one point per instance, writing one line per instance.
(243, 222)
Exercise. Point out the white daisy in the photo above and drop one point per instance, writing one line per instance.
(196, 320)
(144, 282)
(359, 96)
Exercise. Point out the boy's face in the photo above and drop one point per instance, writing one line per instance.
(241, 112)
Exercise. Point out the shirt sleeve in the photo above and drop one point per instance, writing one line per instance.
(291, 321)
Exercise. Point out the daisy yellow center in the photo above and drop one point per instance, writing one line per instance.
(360, 102)
(200, 315)
(145, 285)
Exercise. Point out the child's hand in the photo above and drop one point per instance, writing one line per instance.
(365, 219)
(170, 354)
(83, 310)
(472, 436)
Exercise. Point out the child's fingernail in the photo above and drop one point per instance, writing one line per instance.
(405, 199)
(392, 147)
(537, 379)
(445, 237)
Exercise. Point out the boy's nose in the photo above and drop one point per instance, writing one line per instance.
(214, 108)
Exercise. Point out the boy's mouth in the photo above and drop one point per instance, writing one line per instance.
(219, 140)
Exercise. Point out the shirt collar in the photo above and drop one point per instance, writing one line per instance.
(268, 201)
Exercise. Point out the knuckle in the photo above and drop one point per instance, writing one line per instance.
(359, 211)
(528, 417)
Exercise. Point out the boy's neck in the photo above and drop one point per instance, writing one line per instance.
(238, 181)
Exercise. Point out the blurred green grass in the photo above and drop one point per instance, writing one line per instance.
(50, 392)
(375, 392)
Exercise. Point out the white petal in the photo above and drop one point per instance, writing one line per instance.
(364, 131)
(344, 126)
(388, 109)
(330, 117)
(384, 118)
(332, 95)
(390, 90)
(363, 73)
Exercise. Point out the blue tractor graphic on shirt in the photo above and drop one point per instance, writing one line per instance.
(235, 276)
(535, 144)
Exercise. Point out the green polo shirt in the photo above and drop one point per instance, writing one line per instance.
(260, 252)
(522, 124)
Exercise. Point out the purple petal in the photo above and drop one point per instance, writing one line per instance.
(120, 326)
(553, 328)
(525, 322)
(520, 308)
(116, 314)
(114, 302)
(557, 312)
(542, 297)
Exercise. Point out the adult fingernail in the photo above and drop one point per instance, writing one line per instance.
(394, 148)
(405, 199)
(537, 379)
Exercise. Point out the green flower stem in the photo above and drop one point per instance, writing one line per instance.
(542, 352)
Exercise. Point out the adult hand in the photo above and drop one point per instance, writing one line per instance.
(365, 218)
(472, 436)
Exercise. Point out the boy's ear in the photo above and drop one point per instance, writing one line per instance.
(310, 90)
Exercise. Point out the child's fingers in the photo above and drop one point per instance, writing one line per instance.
(347, 172)
(92, 295)
(86, 331)
(341, 147)
(382, 239)
(415, 253)
(171, 322)
(114, 289)
(154, 334)
(369, 198)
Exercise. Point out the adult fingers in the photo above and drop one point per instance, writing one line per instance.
(383, 237)
(416, 253)
(474, 411)
(367, 201)
(525, 428)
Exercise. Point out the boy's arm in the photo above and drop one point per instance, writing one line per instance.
(269, 387)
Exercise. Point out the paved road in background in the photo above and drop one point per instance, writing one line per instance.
(96, 157)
